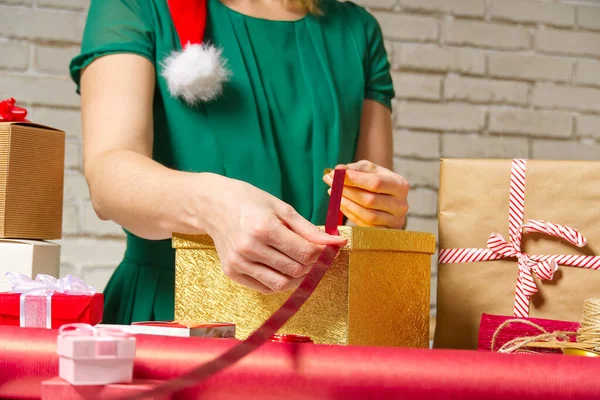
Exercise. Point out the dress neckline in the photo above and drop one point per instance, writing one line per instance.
(267, 20)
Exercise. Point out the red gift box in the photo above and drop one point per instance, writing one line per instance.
(65, 309)
(58, 389)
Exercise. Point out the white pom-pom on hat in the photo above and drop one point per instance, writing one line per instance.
(197, 72)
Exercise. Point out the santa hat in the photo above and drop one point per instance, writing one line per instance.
(197, 72)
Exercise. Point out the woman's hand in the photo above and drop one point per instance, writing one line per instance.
(262, 242)
(373, 196)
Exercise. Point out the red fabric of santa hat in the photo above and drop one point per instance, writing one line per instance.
(197, 72)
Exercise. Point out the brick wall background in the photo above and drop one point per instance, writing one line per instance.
(474, 78)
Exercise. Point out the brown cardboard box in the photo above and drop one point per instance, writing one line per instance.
(474, 203)
(375, 293)
(32, 161)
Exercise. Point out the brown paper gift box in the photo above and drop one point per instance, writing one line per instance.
(32, 161)
(375, 293)
(473, 203)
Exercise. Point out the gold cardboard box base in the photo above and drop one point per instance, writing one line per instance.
(376, 293)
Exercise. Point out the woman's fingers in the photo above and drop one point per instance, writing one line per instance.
(373, 178)
(352, 217)
(375, 201)
(369, 216)
(268, 277)
(303, 228)
(289, 254)
(252, 283)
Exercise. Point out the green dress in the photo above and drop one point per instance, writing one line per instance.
(291, 109)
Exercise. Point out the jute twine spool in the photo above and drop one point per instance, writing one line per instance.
(590, 323)
(588, 335)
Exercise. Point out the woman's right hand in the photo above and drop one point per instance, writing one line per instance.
(262, 242)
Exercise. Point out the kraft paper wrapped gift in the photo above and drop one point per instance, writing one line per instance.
(27, 257)
(375, 293)
(559, 198)
(32, 160)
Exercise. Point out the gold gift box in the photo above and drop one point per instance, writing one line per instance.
(32, 161)
(375, 293)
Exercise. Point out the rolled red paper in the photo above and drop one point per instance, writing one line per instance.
(307, 371)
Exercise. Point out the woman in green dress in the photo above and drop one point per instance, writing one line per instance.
(309, 89)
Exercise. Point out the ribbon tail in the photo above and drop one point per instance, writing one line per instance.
(526, 287)
(49, 311)
(521, 308)
(22, 310)
(35, 310)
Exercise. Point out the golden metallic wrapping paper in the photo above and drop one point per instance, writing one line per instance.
(375, 293)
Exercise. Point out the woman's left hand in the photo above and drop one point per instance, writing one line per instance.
(373, 196)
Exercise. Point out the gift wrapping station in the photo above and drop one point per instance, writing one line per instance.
(518, 299)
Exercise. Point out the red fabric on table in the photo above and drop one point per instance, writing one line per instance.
(66, 309)
(59, 389)
(308, 371)
(490, 323)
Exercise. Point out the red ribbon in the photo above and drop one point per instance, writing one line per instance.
(278, 319)
(11, 113)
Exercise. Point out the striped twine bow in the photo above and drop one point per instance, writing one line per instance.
(498, 248)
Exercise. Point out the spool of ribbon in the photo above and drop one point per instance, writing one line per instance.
(105, 346)
(35, 302)
(11, 113)
(587, 336)
(278, 319)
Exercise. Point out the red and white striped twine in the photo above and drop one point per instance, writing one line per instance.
(498, 248)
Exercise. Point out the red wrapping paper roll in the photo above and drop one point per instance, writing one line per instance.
(307, 371)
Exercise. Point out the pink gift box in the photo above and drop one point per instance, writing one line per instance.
(95, 356)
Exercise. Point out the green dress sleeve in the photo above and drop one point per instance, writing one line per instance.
(115, 26)
(378, 80)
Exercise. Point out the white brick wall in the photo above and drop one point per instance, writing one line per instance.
(474, 78)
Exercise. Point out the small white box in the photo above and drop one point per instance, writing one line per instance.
(27, 257)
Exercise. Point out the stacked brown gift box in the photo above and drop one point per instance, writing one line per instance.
(31, 194)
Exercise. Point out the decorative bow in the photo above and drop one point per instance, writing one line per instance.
(46, 284)
(543, 267)
(105, 344)
(89, 330)
(9, 112)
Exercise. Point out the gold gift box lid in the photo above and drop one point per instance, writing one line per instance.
(359, 239)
